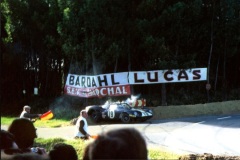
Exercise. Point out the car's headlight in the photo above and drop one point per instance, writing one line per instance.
(150, 111)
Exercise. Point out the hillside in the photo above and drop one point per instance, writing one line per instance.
(216, 108)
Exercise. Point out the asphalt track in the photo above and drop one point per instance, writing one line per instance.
(218, 135)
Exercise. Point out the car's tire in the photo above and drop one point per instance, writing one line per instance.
(125, 118)
(95, 116)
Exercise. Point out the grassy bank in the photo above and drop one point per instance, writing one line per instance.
(217, 108)
(79, 145)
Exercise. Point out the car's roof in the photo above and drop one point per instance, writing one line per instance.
(114, 103)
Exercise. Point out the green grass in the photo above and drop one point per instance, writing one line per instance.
(154, 153)
(39, 123)
(216, 108)
(79, 145)
(7, 120)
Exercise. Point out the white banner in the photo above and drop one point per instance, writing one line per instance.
(168, 76)
(103, 80)
(118, 84)
(137, 77)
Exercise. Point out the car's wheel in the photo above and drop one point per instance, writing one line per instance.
(125, 118)
(95, 116)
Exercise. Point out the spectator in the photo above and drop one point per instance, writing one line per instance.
(86, 153)
(7, 140)
(24, 133)
(124, 143)
(81, 127)
(8, 145)
(62, 151)
(28, 156)
(10, 150)
(26, 114)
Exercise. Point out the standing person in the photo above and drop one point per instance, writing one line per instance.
(81, 127)
(26, 114)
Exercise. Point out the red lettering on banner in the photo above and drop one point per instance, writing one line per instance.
(98, 92)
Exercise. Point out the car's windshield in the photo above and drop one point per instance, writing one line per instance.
(126, 106)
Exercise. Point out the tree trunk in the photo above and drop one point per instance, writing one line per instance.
(164, 97)
(129, 66)
(210, 52)
(216, 78)
(116, 65)
(224, 73)
(93, 51)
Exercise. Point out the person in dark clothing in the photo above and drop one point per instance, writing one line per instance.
(7, 140)
(125, 143)
(81, 129)
(26, 114)
(28, 156)
(62, 151)
(24, 134)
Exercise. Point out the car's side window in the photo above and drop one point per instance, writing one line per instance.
(120, 107)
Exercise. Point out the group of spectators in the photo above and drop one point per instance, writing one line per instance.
(17, 143)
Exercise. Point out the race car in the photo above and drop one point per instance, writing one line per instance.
(118, 111)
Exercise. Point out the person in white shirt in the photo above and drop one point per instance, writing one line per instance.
(26, 114)
(81, 127)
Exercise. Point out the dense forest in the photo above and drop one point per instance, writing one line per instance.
(42, 41)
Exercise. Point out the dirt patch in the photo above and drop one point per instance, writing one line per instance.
(208, 156)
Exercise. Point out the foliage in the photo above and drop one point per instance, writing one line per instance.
(43, 41)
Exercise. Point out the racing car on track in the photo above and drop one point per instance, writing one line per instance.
(118, 111)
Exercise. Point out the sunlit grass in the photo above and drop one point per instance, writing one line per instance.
(52, 123)
(79, 145)
(7, 120)
(39, 123)
(154, 153)
(48, 143)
